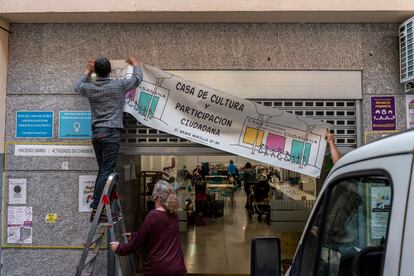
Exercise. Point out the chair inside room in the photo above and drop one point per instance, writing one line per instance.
(265, 256)
(229, 193)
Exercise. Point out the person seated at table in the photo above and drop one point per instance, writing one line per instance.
(231, 169)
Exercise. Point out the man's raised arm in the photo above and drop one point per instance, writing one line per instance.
(79, 86)
(136, 79)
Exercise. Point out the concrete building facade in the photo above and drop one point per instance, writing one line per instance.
(50, 43)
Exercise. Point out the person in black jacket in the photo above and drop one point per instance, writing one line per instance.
(249, 179)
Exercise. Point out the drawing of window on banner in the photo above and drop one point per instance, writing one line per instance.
(275, 142)
(297, 151)
(252, 135)
(280, 142)
(147, 103)
(145, 100)
(156, 90)
(151, 103)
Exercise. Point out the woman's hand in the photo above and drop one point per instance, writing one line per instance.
(330, 138)
(128, 235)
(114, 246)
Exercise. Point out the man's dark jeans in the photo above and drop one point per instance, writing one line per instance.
(106, 145)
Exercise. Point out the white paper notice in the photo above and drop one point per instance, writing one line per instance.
(380, 211)
(17, 191)
(220, 120)
(409, 107)
(86, 188)
(19, 224)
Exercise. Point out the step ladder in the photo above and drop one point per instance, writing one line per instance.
(97, 233)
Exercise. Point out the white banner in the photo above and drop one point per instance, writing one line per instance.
(54, 150)
(216, 119)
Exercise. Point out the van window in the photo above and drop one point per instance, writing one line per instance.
(310, 246)
(352, 233)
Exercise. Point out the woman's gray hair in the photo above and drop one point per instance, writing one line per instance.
(165, 192)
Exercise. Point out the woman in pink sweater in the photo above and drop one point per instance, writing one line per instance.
(159, 235)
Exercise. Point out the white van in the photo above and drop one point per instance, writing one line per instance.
(363, 221)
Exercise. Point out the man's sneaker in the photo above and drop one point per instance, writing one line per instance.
(103, 217)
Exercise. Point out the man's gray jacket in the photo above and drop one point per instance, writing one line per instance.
(107, 97)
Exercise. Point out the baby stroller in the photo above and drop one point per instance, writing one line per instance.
(259, 202)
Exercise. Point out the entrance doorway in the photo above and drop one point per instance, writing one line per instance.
(222, 246)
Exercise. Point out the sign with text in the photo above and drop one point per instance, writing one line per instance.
(20, 224)
(34, 124)
(17, 191)
(409, 107)
(54, 150)
(383, 113)
(86, 189)
(75, 124)
(216, 119)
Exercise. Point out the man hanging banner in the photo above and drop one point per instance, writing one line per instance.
(216, 119)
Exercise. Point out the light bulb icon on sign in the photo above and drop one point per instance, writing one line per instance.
(76, 126)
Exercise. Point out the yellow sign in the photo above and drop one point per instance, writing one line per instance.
(51, 218)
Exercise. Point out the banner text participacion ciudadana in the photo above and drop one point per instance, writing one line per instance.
(204, 115)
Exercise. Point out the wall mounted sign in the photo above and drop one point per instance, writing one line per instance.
(409, 107)
(17, 191)
(34, 124)
(54, 150)
(75, 124)
(383, 113)
(51, 218)
(380, 211)
(216, 119)
(19, 224)
(86, 189)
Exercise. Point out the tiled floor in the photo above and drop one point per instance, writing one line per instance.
(223, 245)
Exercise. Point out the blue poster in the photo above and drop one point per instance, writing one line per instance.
(75, 124)
(34, 124)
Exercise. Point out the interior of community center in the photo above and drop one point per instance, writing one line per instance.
(229, 217)
(340, 69)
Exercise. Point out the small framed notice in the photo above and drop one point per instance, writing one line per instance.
(17, 191)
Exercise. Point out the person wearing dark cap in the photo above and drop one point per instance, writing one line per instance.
(158, 235)
(106, 99)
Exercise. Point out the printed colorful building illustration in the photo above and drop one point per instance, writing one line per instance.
(267, 138)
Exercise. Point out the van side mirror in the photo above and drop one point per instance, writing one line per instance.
(265, 256)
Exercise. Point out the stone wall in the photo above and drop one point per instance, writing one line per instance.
(46, 59)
